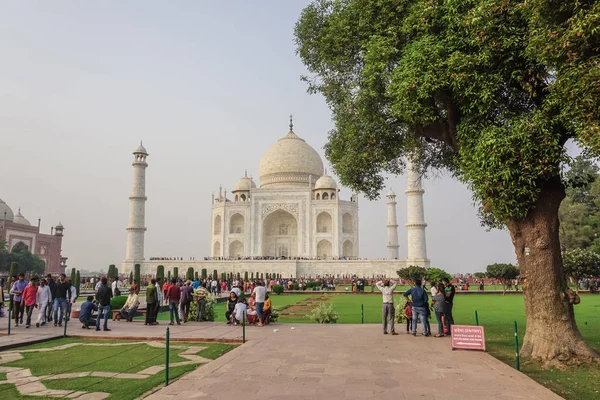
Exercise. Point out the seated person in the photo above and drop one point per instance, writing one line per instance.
(251, 314)
(238, 312)
(131, 305)
(85, 313)
(231, 302)
(267, 308)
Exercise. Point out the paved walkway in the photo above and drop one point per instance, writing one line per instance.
(284, 361)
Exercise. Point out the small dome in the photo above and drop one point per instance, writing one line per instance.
(141, 149)
(4, 208)
(244, 184)
(60, 225)
(325, 182)
(391, 193)
(20, 219)
(290, 162)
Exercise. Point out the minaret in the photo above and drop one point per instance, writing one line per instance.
(392, 226)
(137, 207)
(415, 216)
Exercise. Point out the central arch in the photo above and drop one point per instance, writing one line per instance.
(236, 249)
(280, 235)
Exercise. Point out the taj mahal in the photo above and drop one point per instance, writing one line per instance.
(292, 223)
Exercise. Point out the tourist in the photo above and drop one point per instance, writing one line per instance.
(236, 289)
(116, 287)
(136, 287)
(251, 310)
(196, 284)
(52, 286)
(86, 311)
(165, 288)
(449, 292)
(433, 289)
(63, 292)
(237, 316)
(131, 306)
(387, 290)
(187, 295)
(481, 286)
(16, 290)
(173, 296)
(151, 301)
(419, 303)
(28, 301)
(43, 299)
(439, 306)
(260, 293)
(408, 315)
(267, 310)
(103, 296)
(231, 302)
(72, 298)
(201, 303)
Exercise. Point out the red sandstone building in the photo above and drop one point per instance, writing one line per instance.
(17, 229)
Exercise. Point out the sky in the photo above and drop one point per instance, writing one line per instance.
(208, 86)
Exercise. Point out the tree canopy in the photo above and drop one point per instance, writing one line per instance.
(20, 254)
(412, 273)
(489, 90)
(581, 263)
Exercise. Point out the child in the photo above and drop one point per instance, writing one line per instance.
(408, 315)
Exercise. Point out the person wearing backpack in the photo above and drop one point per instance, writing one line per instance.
(419, 303)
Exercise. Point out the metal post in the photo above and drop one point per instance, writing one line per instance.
(362, 313)
(517, 348)
(9, 317)
(68, 312)
(476, 318)
(244, 327)
(167, 358)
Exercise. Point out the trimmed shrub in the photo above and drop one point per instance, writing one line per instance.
(169, 276)
(73, 276)
(176, 272)
(77, 282)
(116, 303)
(324, 314)
(190, 274)
(278, 289)
(295, 286)
(136, 274)
(246, 276)
(204, 273)
(160, 274)
(130, 277)
(215, 275)
(195, 275)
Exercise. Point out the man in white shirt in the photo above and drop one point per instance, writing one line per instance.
(238, 312)
(433, 290)
(259, 293)
(131, 305)
(235, 289)
(43, 299)
(116, 284)
(387, 289)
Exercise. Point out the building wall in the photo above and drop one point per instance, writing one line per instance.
(287, 268)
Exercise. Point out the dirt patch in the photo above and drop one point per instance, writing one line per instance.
(302, 308)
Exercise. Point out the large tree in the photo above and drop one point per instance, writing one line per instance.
(462, 86)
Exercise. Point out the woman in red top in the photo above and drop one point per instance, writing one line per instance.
(29, 298)
(165, 288)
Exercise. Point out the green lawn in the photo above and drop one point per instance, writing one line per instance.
(130, 358)
(497, 314)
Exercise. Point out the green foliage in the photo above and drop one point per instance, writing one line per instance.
(278, 289)
(479, 275)
(130, 277)
(27, 262)
(215, 275)
(581, 263)
(324, 314)
(436, 275)
(77, 282)
(14, 271)
(204, 273)
(73, 276)
(176, 272)
(196, 275)
(295, 286)
(116, 303)
(502, 272)
(412, 273)
(160, 274)
(189, 275)
(246, 276)
(136, 274)
(111, 271)
(169, 276)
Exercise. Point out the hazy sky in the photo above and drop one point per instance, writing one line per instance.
(208, 86)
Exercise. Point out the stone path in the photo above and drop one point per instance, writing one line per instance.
(30, 385)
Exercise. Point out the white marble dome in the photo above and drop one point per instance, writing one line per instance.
(244, 184)
(20, 219)
(289, 163)
(325, 182)
(4, 208)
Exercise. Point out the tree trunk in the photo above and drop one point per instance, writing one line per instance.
(551, 334)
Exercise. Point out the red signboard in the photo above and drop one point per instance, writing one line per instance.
(468, 337)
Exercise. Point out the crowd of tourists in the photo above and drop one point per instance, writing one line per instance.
(52, 298)
(418, 308)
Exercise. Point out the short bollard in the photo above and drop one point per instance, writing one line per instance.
(167, 358)
(476, 318)
(244, 326)
(517, 348)
(66, 322)
(9, 317)
(362, 313)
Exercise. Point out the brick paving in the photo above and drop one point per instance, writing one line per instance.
(325, 362)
